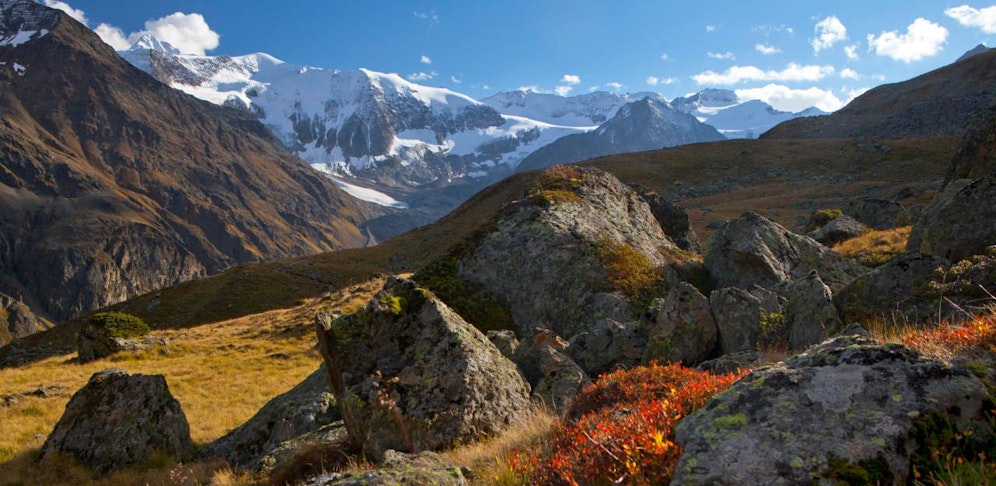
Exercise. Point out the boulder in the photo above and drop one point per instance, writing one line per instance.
(287, 454)
(399, 469)
(555, 378)
(731, 363)
(607, 345)
(896, 287)
(674, 221)
(306, 408)
(975, 156)
(17, 320)
(408, 373)
(877, 213)
(505, 341)
(738, 319)
(93, 342)
(680, 327)
(847, 405)
(810, 314)
(838, 230)
(752, 250)
(958, 223)
(118, 420)
(541, 257)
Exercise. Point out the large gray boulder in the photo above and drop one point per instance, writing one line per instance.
(399, 469)
(17, 320)
(958, 223)
(306, 408)
(409, 374)
(752, 250)
(118, 420)
(541, 258)
(555, 378)
(810, 314)
(680, 327)
(838, 230)
(877, 213)
(738, 319)
(896, 287)
(608, 344)
(674, 221)
(847, 404)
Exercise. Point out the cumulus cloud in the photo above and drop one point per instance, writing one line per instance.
(563, 90)
(923, 38)
(794, 100)
(112, 36)
(767, 49)
(737, 74)
(614, 86)
(983, 19)
(425, 59)
(711, 28)
(571, 79)
(829, 31)
(721, 55)
(848, 73)
(189, 33)
(422, 76)
(665, 57)
(73, 12)
(852, 52)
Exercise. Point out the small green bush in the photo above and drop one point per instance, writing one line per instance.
(821, 217)
(120, 325)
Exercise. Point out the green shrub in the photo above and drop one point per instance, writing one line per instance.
(119, 324)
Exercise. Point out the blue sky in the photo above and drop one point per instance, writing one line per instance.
(792, 54)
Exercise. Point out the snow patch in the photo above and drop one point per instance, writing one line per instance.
(21, 37)
(361, 193)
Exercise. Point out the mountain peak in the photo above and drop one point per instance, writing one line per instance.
(149, 42)
(24, 20)
(979, 49)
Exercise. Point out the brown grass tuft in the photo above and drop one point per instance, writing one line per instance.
(875, 248)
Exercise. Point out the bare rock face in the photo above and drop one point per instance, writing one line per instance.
(410, 374)
(849, 402)
(17, 320)
(810, 312)
(118, 420)
(738, 317)
(306, 408)
(958, 223)
(680, 327)
(752, 250)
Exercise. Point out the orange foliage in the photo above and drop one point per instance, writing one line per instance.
(625, 432)
(977, 334)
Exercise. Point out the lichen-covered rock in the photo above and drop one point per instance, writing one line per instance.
(896, 286)
(305, 408)
(17, 320)
(408, 373)
(555, 378)
(541, 258)
(731, 363)
(838, 230)
(328, 435)
(505, 341)
(674, 221)
(810, 314)
(877, 213)
(849, 403)
(399, 469)
(738, 319)
(958, 223)
(607, 345)
(752, 250)
(679, 327)
(118, 420)
(95, 341)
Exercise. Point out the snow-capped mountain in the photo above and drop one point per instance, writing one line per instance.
(733, 117)
(581, 110)
(376, 127)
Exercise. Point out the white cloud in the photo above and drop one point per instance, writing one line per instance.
(767, 49)
(829, 31)
(854, 93)
(768, 29)
(654, 80)
(73, 12)
(720, 55)
(531, 89)
(456, 80)
(848, 73)
(794, 100)
(614, 85)
(879, 77)
(571, 79)
(923, 38)
(737, 74)
(665, 57)
(422, 76)
(852, 52)
(563, 90)
(593, 88)
(486, 87)
(711, 28)
(112, 36)
(430, 16)
(189, 33)
(425, 59)
(983, 19)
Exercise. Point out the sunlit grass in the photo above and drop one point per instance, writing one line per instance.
(876, 247)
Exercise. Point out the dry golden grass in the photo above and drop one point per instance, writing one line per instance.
(875, 247)
(489, 459)
(221, 374)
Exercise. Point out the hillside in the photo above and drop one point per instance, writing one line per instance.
(113, 184)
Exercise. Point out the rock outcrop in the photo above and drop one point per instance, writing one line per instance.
(409, 374)
(118, 420)
(554, 377)
(877, 213)
(608, 344)
(738, 316)
(752, 250)
(674, 221)
(680, 327)
(810, 314)
(896, 287)
(958, 223)
(94, 342)
(17, 320)
(306, 408)
(399, 469)
(847, 405)
(838, 230)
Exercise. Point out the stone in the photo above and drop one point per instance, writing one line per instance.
(738, 319)
(607, 345)
(399, 469)
(555, 378)
(93, 343)
(330, 435)
(504, 340)
(895, 287)
(752, 250)
(958, 223)
(17, 320)
(810, 314)
(306, 408)
(680, 327)
(839, 230)
(409, 373)
(849, 400)
(118, 420)
(876, 213)
(674, 221)
(731, 363)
